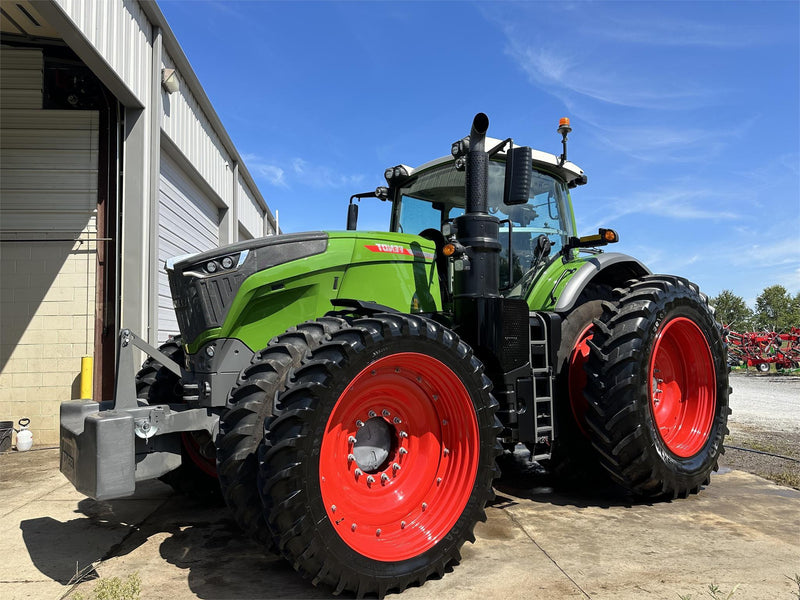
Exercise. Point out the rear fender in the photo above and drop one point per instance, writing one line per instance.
(612, 269)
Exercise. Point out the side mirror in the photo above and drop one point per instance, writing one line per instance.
(352, 216)
(518, 176)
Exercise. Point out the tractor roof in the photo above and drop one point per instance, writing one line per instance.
(569, 171)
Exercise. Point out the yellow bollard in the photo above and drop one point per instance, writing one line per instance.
(87, 366)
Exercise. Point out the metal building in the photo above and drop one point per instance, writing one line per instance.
(112, 159)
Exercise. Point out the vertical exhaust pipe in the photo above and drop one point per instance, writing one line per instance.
(477, 167)
(476, 279)
(477, 231)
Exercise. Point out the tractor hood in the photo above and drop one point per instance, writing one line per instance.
(204, 285)
(257, 289)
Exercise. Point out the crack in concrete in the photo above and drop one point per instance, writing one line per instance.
(552, 560)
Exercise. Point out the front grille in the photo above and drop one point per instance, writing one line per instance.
(202, 303)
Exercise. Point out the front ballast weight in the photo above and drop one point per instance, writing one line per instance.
(107, 446)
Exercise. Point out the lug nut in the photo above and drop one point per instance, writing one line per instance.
(359, 423)
(351, 439)
(424, 505)
(386, 413)
(370, 480)
(378, 532)
(403, 434)
(446, 451)
(371, 414)
(351, 458)
(402, 524)
(384, 478)
(438, 480)
(333, 508)
(403, 451)
(353, 527)
(395, 467)
(358, 472)
(396, 420)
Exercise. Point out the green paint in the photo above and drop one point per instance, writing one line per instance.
(393, 269)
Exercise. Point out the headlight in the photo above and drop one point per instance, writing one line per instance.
(217, 265)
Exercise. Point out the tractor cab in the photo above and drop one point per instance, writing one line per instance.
(430, 197)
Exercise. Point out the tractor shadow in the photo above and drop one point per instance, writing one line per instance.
(150, 531)
(525, 479)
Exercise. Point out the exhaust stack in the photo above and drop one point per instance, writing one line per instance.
(477, 230)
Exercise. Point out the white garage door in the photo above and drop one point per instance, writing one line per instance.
(188, 222)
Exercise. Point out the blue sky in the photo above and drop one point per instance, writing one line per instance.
(686, 115)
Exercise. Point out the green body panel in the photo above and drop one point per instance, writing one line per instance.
(550, 283)
(393, 269)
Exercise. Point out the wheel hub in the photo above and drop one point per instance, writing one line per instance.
(373, 443)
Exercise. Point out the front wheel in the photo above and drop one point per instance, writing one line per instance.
(197, 475)
(382, 457)
(763, 367)
(658, 387)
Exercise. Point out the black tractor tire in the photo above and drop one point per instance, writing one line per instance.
(658, 388)
(241, 427)
(381, 458)
(196, 477)
(574, 461)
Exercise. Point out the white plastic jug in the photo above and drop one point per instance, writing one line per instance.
(24, 436)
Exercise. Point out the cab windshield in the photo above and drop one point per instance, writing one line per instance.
(437, 195)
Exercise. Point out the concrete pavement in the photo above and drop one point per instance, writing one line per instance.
(741, 530)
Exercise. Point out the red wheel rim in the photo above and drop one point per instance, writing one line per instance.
(577, 377)
(682, 387)
(413, 498)
(207, 465)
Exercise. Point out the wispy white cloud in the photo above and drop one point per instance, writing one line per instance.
(298, 172)
(588, 76)
(677, 203)
(665, 143)
(673, 32)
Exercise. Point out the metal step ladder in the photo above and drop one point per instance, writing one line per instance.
(543, 376)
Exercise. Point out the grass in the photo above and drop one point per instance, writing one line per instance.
(714, 592)
(114, 588)
(796, 579)
(787, 478)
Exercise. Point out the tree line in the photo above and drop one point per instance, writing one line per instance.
(776, 310)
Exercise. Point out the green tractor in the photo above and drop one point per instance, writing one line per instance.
(350, 394)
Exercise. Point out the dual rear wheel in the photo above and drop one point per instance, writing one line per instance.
(652, 397)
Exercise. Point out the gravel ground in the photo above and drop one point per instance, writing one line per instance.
(765, 418)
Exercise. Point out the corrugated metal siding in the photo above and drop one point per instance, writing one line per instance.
(48, 169)
(20, 78)
(121, 33)
(188, 223)
(251, 215)
(187, 126)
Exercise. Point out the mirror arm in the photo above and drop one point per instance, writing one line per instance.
(500, 146)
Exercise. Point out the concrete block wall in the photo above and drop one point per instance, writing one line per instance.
(48, 325)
